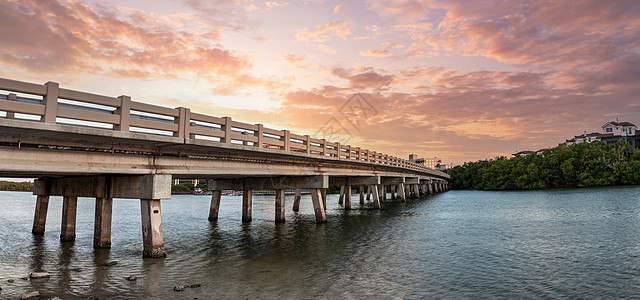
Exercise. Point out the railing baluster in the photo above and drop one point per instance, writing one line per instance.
(11, 97)
(50, 101)
(227, 130)
(124, 111)
(260, 134)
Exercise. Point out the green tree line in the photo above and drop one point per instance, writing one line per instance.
(16, 186)
(580, 165)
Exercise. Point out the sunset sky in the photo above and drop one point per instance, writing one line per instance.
(461, 80)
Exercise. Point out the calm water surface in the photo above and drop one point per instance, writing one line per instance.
(580, 243)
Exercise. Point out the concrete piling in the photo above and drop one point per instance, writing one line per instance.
(347, 197)
(40, 217)
(68, 226)
(102, 223)
(376, 196)
(152, 239)
(214, 209)
(296, 201)
(280, 206)
(247, 196)
(318, 206)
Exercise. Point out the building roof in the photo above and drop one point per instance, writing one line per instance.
(623, 124)
(593, 134)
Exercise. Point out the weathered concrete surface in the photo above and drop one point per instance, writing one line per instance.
(129, 187)
(247, 198)
(214, 209)
(280, 205)
(318, 206)
(40, 217)
(152, 239)
(296, 200)
(102, 223)
(68, 227)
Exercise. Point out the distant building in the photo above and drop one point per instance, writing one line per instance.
(613, 132)
(432, 162)
(620, 128)
(428, 162)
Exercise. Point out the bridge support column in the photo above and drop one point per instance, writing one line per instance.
(324, 199)
(347, 197)
(393, 192)
(68, 226)
(401, 194)
(279, 206)
(407, 190)
(341, 199)
(369, 192)
(152, 239)
(376, 196)
(318, 206)
(247, 197)
(102, 223)
(416, 190)
(430, 188)
(214, 209)
(362, 194)
(40, 216)
(384, 193)
(296, 201)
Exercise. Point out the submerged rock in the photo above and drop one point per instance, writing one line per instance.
(10, 281)
(109, 264)
(132, 278)
(196, 285)
(38, 275)
(30, 295)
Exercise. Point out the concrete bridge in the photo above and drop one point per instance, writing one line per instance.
(85, 145)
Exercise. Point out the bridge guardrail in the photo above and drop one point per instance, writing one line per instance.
(59, 105)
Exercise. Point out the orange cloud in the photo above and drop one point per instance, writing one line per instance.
(323, 33)
(391, 45)
(376, 53)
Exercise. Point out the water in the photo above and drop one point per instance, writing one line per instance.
(577, 243)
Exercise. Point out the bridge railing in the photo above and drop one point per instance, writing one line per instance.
(51, 104)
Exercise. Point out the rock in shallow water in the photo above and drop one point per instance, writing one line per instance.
(132, 278)
(179, 288)
(30, 295)
(37, 275)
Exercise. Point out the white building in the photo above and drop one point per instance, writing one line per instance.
(620, 128)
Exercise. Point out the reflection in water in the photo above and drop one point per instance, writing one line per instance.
(459, 244)
(101, 270)
(65, 256)
(38, 250)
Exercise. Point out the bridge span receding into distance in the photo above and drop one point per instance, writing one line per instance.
(79, 144)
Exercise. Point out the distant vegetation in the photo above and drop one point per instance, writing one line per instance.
(580, 165)
(16, 186)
